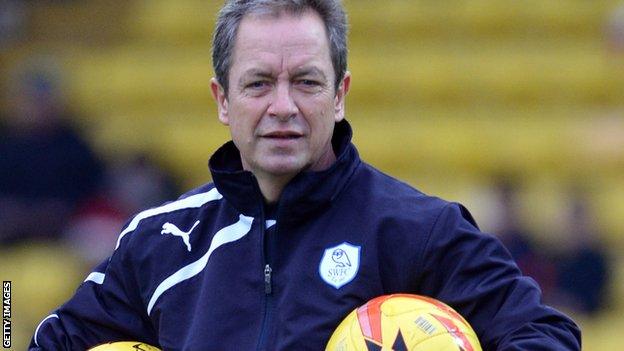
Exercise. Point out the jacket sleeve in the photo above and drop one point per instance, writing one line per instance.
(106, 307)
(473, 272)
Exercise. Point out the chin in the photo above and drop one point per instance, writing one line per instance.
(284, 171)
(284, 168)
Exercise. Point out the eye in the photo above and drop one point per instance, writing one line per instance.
(309, 82)
(256, 85)
(309, 85)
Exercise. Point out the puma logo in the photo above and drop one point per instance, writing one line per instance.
(170, 228)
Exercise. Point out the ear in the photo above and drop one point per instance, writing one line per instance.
(218, 93)
(341, 93)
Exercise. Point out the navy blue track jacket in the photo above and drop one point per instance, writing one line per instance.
(214, 271)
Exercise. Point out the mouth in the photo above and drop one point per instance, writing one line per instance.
(283, 135)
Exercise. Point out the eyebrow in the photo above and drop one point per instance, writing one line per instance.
(299, 72)
(305, 71)
(254, 72)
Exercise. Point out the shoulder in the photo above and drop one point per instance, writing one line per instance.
(159, 241)
(396, 201)
(185, 209)
(392, 195)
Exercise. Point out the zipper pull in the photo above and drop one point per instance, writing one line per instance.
(267, 279)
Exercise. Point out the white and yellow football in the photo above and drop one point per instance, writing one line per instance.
(124, 346)
(404, 322)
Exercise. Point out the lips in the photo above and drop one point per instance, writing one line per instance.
(282, 134)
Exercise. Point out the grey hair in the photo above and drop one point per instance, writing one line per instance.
(232, 13)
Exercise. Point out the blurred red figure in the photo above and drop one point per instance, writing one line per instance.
(128, 186)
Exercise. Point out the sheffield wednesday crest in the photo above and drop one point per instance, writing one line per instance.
(340, 264)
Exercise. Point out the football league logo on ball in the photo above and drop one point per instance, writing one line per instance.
(340, 264)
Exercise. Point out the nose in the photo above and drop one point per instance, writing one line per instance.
(282, 105)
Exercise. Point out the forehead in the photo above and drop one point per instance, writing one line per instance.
(285, 37)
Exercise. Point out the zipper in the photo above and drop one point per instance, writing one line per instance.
(267, 279)
(267, 250)
(269, 303)
(266, 322)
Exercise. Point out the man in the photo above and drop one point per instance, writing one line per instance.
(46, 166)
(296, 231)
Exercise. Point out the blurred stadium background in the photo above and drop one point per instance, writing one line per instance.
(450, 96)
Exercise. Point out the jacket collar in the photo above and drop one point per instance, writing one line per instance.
(305, 193)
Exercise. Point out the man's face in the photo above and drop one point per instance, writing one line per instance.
(282, 105)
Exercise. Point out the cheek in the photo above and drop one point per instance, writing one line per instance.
(244, 118)
(319, 110)
(322, 127)
(242, 133)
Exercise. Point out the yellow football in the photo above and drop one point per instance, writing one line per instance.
(124, 346)
(404, 322)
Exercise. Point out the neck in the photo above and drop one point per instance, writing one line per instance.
(271, 187)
